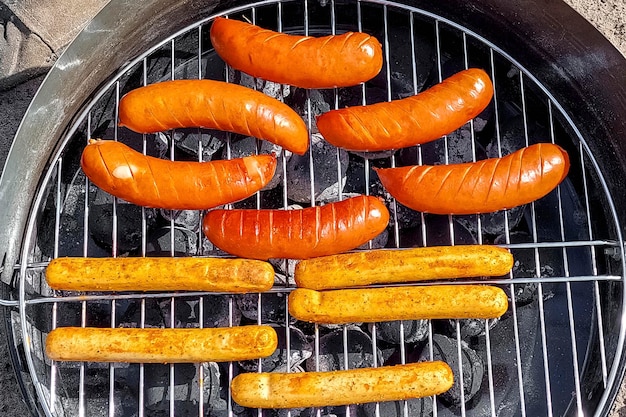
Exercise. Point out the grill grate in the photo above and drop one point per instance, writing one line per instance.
(559, 343)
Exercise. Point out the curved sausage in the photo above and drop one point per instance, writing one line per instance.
(402, 265)
(297, 234)
(214, 105)
(369, 305)
(422, 118)
(479, 187)
(333, 388)
(302, 61)
(159, 183)
(159, 274)
(156, 345)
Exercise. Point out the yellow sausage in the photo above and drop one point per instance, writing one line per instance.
(354, 386)
(404, 265)
(160, 274)
(160, 345)
(369, 305)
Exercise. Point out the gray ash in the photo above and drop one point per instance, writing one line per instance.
(185, 241)
(186, 219)
(201, 144)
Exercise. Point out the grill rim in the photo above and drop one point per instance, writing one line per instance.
(7, 270)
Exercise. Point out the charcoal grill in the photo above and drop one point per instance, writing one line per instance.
(557, 351)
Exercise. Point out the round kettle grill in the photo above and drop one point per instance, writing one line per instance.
(556, 352)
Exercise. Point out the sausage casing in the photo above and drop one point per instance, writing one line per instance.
(479, 187)
(413, 120)
(159, 274)
(303, 61)
(353, 386)
(153, 182)
(396, 266)
(368, 305)
(297, 234)
(214, 105)
(153, 345)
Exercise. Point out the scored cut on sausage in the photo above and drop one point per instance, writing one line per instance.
(484, 186)
(302, 61)
(297, 234)
(180, 185)
(410, 121)
(214, 105)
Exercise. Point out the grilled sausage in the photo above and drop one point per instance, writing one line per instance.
(159, 274)
(403, 265)
(398, 303)
(333, 388)
(479, 187)
(302, 61)
(297, 234)
(214, 105)
(160, 345)
(154, 182)
(422, 118)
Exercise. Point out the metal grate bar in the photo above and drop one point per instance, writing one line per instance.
(570, 307)
(507, 235)
(594, 267)
(542, 319)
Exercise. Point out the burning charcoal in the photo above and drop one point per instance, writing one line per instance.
(318, 104)
(459, 147)
(438, 231)
(185, 241)
(186, 390)
(249, 146)
(445, 349)
(326, 183)
(471, 327)
(216, 311)
(389, 331)
(273, 309)
(524, 266)
(299, 351)
(493, 223)
(375, 155)
(416, 408)
(153, 316)
(128, 237)
(191, 141)
(269, 88)
(331, 351)
(187, 219)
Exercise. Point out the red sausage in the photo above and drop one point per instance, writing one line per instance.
(422, 118)
(479, 187)
(297, 234)
(214, 105)
(153, 182)
(302, 61)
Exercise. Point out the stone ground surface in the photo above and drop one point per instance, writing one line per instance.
(609, 16)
